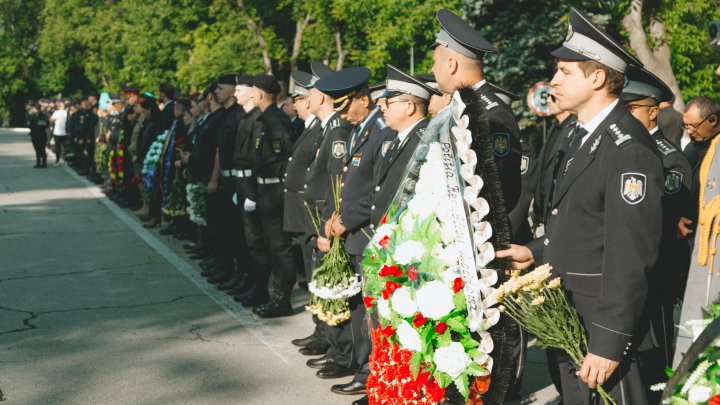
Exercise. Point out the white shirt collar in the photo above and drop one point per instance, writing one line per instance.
(595, 122)
(652, 131)
(479, 84)
(405, 132)
(327, 119)
(309, 120)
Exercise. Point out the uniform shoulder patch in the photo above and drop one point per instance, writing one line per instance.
(334, 123)
(633, 187)
(621, 138)
(664, 146)
(673, 182)
(338, 149)
(501, 144)
(380, 123)
(524, 164)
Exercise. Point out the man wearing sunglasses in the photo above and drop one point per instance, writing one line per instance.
(700, 120)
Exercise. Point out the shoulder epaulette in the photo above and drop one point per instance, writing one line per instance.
(380, 122)
(665, 147)
(619, 137)
(488, 103)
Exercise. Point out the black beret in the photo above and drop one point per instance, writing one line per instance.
(245, 80)
(266, 83)
(227, 79)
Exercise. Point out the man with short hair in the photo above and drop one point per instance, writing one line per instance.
(405, 112)
(166, 95)
(700, 120)
(607, 206)
(273, 149)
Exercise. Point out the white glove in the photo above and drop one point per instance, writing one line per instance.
(250, 205)
(234, 199)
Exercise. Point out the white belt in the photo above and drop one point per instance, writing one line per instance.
(269, 180)
(243, 173)
(228, 173)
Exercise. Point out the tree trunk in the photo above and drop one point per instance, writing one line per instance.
(657, 58)
(300, 26)
(257, 30)
(342, 54)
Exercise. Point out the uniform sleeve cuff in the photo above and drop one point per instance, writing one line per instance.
(608, 343)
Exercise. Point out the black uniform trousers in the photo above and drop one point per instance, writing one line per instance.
(229, 228)
(38, 142)
(257, 263)
(278, 257)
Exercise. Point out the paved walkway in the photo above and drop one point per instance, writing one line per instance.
(94, 309)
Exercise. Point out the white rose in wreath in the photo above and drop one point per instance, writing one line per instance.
(434, 299)
(403, 303)
(452, 359)
(384, 308)
(699, 394)
(409, 251)
(409, 338)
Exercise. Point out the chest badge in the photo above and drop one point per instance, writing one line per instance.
(501, 144)
(633, 187)
(386, 147)
(338, 149)
(673, 182)
(711, 184)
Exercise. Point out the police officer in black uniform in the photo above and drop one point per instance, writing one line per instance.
(604, 229)
(329, 155)
(295, 215)
(231, 242)
(410, 125)
(253, 291)
(351, 97)
(642, 97)
(273, 149)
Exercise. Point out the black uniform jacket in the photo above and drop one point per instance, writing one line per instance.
(226, 135)
(302, 156)
(505, 135)
(547, 162)
(273, 144)
(360, 166)
(331, 149)
(521, 232)
(390, 174)
(673, 252)
(603, 230)
(202, 157)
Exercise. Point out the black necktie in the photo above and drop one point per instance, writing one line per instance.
(575, 145)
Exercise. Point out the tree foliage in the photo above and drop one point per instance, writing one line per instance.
(69, 47)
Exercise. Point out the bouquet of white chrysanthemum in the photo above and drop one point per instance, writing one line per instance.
(538, 303)
(334, 281)
(197, 206)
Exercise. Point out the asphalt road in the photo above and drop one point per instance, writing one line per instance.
(95, 309)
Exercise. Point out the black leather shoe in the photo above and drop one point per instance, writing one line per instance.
(273, 310)
(320, 362)
(351, 388)
(361, 401)
(255, 299)
(304, 341)
(314, 349)
(333, 370)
